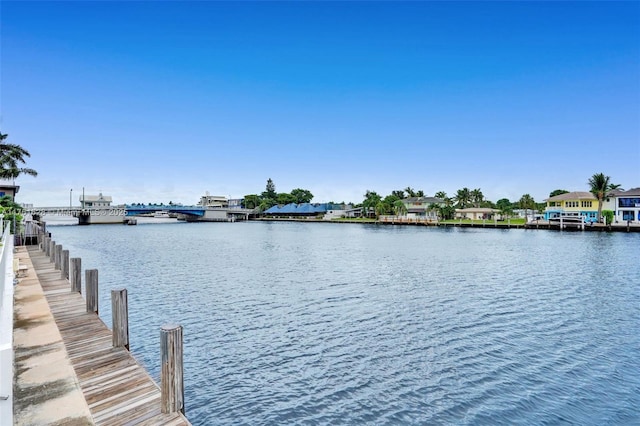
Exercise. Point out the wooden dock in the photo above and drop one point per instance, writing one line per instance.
(117, 389)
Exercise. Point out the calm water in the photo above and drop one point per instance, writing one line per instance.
(291, 323)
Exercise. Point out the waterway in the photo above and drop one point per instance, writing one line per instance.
(312, 323)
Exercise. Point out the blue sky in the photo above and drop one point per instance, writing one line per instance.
(162, 101)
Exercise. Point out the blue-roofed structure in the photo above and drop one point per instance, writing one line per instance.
(302, 209)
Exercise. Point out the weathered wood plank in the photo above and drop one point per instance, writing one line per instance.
(117, 389)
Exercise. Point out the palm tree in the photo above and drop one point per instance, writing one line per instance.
(477, 197)
(527, 202)
(600, 186)
(441, 194)
(410, 192)
(399, 208)
(12, 156)
(398, 193)
(463, 198)
(371, 201)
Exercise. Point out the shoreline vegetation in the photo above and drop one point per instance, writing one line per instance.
(464, 223)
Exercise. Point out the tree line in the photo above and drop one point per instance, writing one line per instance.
(444, 206)
(13, 160)
(269, 197)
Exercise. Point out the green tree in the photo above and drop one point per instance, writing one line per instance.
(371, 200)
(399, 208)
(251, 201)
(420, 193)
(302, 196)
(477, 197)
(410, 192)
(270, 190)
(463, 198)
(441, 194)
(11, 211)
(398, 193)
(284, 198)
(505, 206)
(381, 208)
(608, 216)
(600, 186)
(266, 205)
(446, 209)
(12, 157)
(527, 203)
(558, 192)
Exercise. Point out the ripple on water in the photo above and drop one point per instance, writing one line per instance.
(289, 323)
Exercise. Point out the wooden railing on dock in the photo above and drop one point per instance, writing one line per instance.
(117, 389)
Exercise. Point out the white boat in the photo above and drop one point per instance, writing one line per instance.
(162, 215)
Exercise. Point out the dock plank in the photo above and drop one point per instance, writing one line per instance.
(117, 389)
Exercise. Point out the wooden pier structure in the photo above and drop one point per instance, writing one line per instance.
(118, 390)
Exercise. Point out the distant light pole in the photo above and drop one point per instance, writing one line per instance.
(70, 196)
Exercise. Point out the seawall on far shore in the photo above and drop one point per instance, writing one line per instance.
(537, 225)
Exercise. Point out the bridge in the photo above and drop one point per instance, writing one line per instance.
(133, 210)
(117, 214)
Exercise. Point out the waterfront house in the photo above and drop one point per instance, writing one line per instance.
(478, 213)
(353, 213)
(8, 188)
(572, 204)
(420, 207)
(626, 205)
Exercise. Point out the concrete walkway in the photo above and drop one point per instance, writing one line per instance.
(46, 389)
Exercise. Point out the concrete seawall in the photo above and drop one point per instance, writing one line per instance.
(46, 389)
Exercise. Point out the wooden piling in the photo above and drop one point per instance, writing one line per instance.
(75, 271)
(91, 284)
(120, 318)
(171, 383)
(58, 257)
(52, 249)
(64, 270)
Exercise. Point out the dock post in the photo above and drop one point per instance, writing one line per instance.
(64, 263)
(91, 283)
(120, 318)
(172, 385)
(58, 257)
(75, 277)
(52, 249)
(45, 244)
